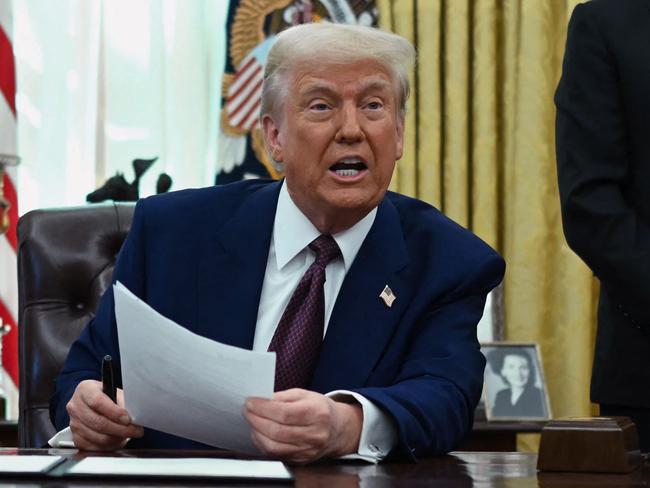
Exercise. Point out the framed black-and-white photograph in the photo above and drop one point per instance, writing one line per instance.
(514, 386)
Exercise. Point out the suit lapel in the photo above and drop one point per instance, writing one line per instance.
(361, 323)
(231, 270)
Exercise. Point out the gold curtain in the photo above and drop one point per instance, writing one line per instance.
(480, 146)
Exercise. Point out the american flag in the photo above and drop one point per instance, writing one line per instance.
(245, 93)
(8, 206)
(388, 296)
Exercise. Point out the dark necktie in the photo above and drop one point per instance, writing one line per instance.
(298, 338)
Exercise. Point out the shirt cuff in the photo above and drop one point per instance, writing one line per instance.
(63, 438)
(378, 435)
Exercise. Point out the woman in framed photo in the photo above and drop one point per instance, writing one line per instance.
(521, 398)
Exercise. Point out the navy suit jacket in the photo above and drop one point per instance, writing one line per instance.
(199, 258)
(603, 162)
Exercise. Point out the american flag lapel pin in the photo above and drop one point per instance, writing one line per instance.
(387, 296)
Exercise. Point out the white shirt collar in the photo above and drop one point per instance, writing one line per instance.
(293, 231)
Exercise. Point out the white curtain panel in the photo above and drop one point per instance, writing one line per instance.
(102, 82)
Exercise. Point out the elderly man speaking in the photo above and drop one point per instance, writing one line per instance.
(370, 299)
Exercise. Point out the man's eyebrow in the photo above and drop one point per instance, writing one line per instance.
(324, 89)
(317, 89)
(377, 85)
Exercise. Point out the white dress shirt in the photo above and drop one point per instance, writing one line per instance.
(289, 257)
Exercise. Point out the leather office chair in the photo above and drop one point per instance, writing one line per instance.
(65, 262)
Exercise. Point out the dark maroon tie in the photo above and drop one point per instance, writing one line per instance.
(298, 338)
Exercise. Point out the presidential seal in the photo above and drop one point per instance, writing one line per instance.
(253, 25)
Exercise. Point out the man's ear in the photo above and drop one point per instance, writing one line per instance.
(272, 138)
(399, 146)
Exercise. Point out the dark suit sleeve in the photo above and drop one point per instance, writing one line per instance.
(99, 337)
(433, 398)
(593, 167)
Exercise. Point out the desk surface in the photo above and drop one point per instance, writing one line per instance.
(460, 469)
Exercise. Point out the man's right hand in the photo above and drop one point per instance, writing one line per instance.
(98, 424)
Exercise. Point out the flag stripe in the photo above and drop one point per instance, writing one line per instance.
(244, 88)
(10, 194)
(246, 64)
(252, 96)
(243, 76)
(8, 278)
(9, 344)
(6, 22)
(252, 115)
(8, 72)
(244, 95)
(8, 242)
(7, 129)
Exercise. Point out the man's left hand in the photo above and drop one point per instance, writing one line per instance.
(301, 426)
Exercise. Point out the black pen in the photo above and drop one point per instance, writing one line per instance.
(108, 384)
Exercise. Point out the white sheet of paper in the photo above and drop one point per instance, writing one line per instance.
(27, 464)
(181, 383)
(226, 468)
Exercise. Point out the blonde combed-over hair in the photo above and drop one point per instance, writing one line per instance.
(327, 42)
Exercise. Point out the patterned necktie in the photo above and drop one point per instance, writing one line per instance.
(298, 338)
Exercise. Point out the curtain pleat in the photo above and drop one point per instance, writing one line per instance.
(486, 132)
(429, 102)
(457, 91)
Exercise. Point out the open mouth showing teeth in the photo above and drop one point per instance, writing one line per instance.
(348, 167)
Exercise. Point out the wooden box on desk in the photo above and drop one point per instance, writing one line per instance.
(594, 444)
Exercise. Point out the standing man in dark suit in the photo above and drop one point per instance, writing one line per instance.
(369, 299)
(603, 156)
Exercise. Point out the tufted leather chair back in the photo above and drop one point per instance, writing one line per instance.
(65, 262)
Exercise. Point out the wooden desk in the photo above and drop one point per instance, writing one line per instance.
(485, 436)
(460, 469)
(498, 436)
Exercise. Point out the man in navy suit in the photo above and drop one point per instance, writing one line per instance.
(603, 162)
(396, 366)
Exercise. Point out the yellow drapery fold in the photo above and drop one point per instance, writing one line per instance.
(480, 146)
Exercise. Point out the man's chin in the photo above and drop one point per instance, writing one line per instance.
(352, 197)
(348, 202)
(336, 210)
